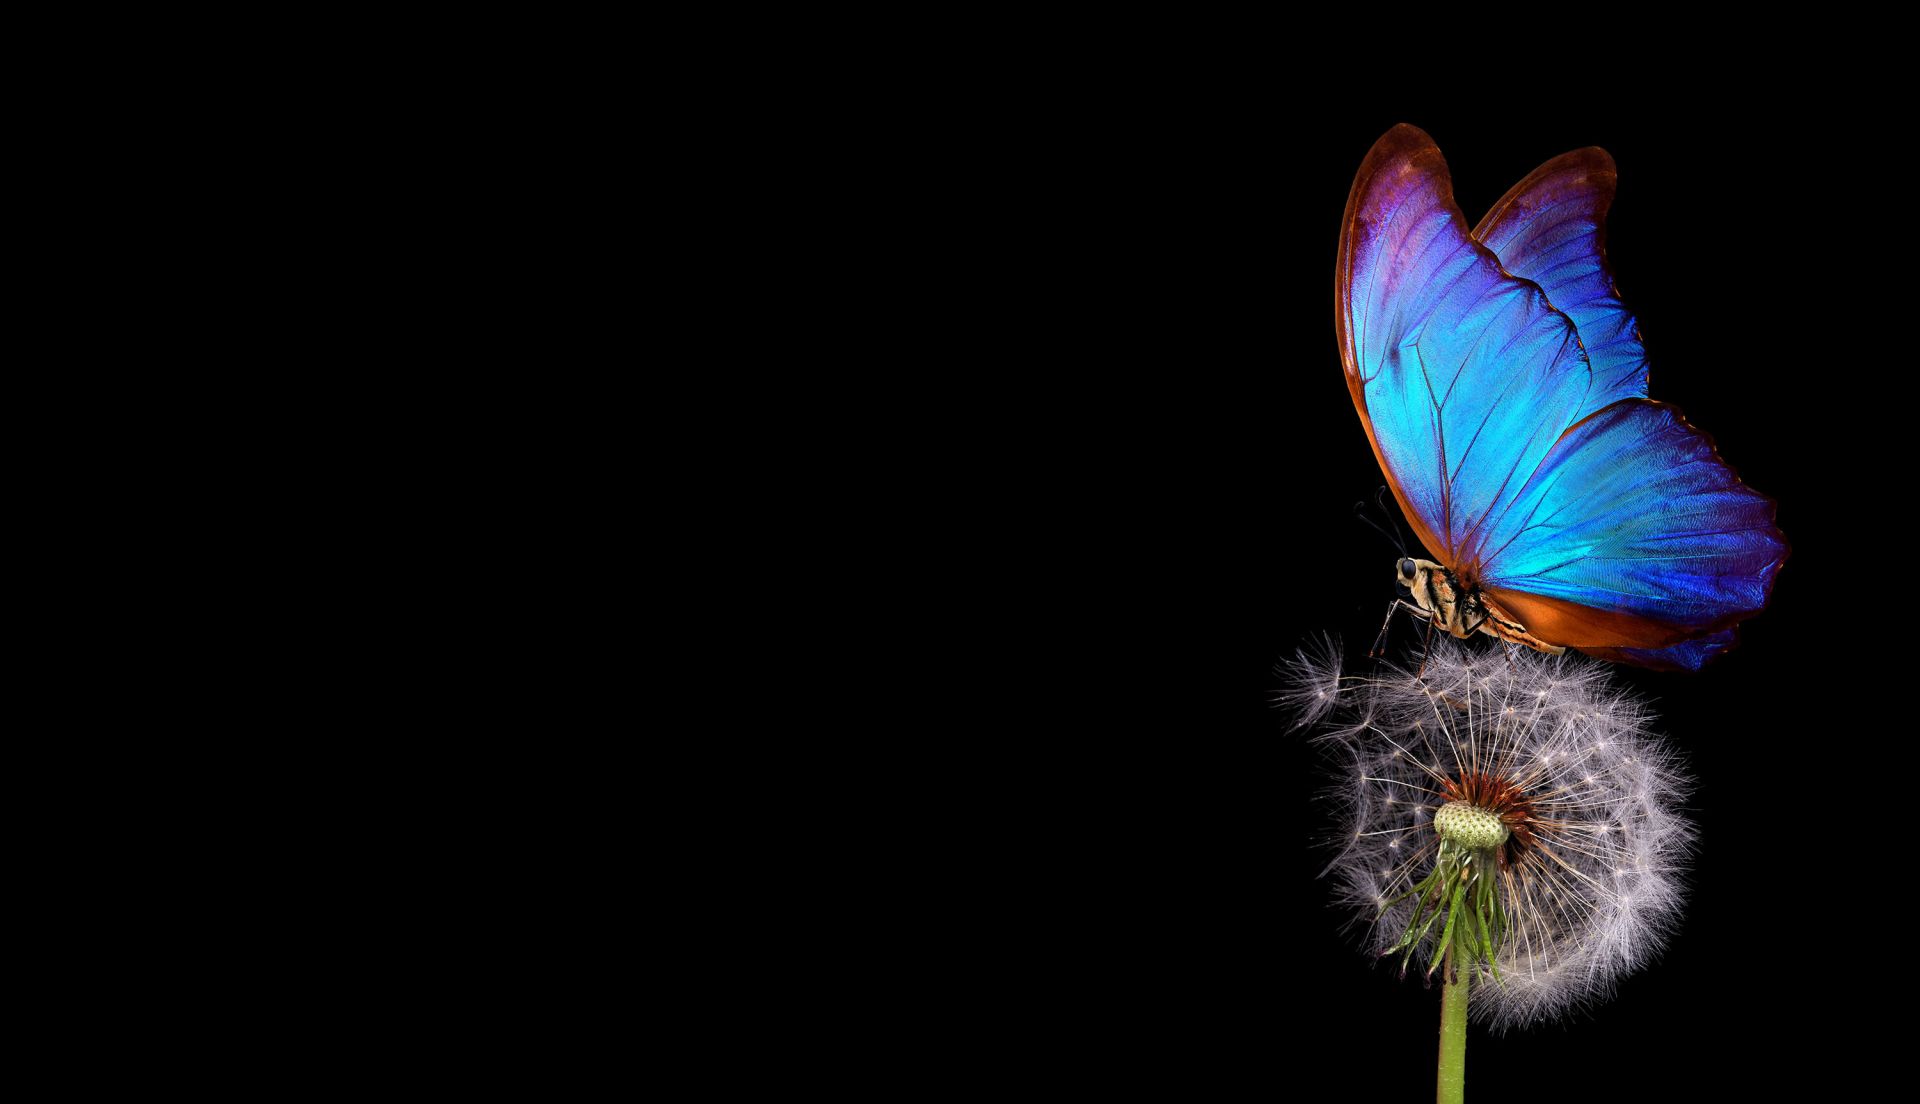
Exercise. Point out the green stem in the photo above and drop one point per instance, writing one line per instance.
(1453, 1034)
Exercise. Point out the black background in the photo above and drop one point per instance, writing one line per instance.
(1154, 308)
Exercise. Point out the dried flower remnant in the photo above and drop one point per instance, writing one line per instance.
(1504, 812)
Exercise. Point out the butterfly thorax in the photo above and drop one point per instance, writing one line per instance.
(1460, 609)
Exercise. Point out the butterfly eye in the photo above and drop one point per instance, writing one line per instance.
(1406, 570)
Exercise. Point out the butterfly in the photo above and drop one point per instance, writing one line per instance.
(1503, 386)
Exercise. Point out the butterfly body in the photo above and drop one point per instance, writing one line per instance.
(1434, 593)
(1503, 387)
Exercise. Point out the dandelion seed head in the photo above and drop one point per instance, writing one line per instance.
(1537, 762)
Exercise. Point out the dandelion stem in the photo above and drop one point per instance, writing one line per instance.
(1453, 1035)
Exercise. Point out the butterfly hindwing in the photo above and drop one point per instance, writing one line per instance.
(1633, 533)
(1687, 655)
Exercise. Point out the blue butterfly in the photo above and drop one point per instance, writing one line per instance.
(1503, 386)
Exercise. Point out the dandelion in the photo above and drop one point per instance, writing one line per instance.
(1507, 822)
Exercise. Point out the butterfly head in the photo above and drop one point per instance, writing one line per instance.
(1409, 574)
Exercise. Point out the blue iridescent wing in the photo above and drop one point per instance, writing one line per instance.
(1463, 375)
(1633, 534)
(1598, 519)
(1551, 229)
(1687, 655)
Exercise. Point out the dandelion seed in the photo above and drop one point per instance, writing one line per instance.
(1549, 865)
(1312, 683)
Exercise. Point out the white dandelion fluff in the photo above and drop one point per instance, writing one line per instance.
(1505, 811)
(1310, 683)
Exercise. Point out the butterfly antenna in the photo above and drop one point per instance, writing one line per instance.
(1392, 516)
(1360, 511)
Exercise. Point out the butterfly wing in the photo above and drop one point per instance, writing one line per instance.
(1464, 376)
(1597, 518)
(1634, 530)
(1633, 534)
(1551, 229)
(1687, 655)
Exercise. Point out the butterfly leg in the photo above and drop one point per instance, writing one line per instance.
(1512, 632)
(1426, 649)
(1380, 642)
